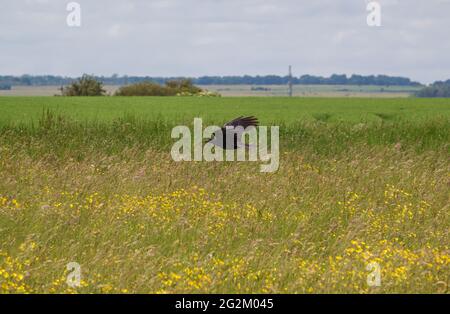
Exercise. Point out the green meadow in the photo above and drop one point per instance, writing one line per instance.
(273, 109)
(362, 192)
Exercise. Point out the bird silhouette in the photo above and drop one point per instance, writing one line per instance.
(230, 135)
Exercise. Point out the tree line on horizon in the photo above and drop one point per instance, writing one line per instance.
(88, 85)
(439, 89)
(335, 79)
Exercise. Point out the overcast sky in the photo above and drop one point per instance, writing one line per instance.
(226, 37)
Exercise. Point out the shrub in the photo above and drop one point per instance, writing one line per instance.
(435, 90)
(145, 89)
(182, 87)
(85, 86)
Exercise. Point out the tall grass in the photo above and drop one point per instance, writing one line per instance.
(108, 196)
(63, 136)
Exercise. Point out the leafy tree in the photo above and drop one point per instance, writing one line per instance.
(85, 86)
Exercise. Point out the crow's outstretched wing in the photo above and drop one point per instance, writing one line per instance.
(230, 135)
(243, 122)
(233, 130)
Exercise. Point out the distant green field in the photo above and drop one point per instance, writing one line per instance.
(315, 90)
(177, 109)
(365, 91)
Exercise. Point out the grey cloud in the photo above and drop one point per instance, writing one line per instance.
(223, 37)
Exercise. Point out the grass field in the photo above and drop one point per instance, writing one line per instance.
(268, 110)
(363, 184)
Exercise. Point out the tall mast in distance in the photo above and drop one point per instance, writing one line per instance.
(290, 81)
